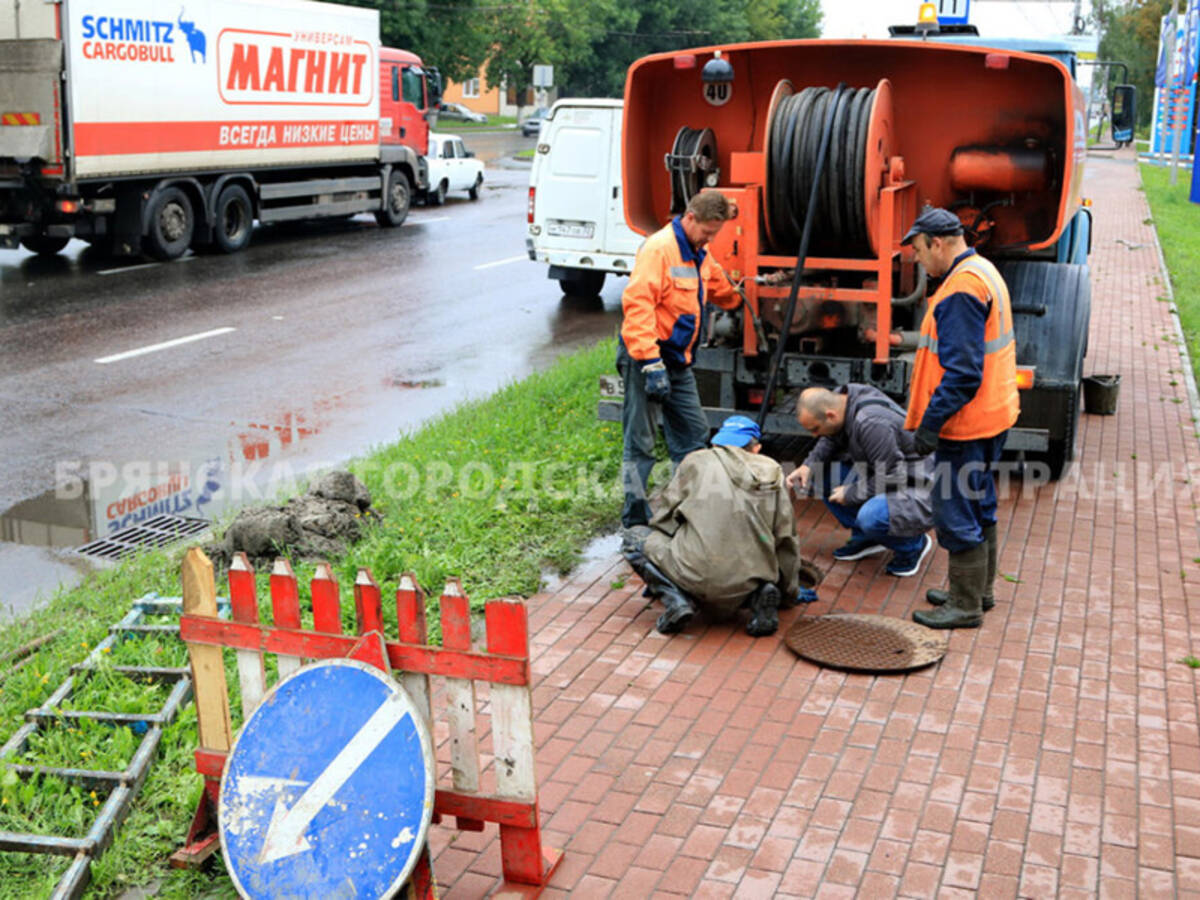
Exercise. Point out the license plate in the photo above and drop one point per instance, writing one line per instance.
(560, 228)
(612, 386)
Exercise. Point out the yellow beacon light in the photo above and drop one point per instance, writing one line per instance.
(928, 14)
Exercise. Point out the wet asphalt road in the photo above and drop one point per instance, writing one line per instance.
(341, 336)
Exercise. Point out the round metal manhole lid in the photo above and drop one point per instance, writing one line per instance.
(866, 642)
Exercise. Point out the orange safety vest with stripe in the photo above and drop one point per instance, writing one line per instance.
(996, 404)
(661, 303)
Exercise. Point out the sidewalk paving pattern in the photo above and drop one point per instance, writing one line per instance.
(1052, 752)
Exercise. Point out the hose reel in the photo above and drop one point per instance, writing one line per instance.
(692, 164)
(860, 148)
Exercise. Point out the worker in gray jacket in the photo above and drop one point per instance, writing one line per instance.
(872, 487)
(724, 536)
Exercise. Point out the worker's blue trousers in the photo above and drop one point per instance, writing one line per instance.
(964, 490)
(685, 429)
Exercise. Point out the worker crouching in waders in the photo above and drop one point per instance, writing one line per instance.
(724, 536)
(962, 401)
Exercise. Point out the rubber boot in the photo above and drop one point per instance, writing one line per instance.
(679, 604)
(764, 610)
(968, 578)
(938, 597)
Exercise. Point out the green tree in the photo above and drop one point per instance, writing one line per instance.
(449, 34)
(634, 30)
(590, 43)
(1130, 32)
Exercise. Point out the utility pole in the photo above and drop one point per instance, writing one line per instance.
(1172, 75)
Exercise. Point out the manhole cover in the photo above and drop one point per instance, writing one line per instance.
(866, 642)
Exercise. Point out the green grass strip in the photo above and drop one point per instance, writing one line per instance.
(1176, 220)
(495, 492)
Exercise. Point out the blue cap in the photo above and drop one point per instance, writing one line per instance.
(737, 431)
(934, 222)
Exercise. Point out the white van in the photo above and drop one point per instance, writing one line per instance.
(576, 211)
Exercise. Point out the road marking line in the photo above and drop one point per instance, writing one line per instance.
(503, 262)
(418, 220)
(154, 348)
(128, 268)
(150, 265)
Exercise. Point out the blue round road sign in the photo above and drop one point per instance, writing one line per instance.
(328, 791)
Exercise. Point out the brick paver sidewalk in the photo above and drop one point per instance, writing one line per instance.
(1053, 752)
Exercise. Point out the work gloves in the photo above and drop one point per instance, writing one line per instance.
(924, 441)
(921, 442)
(658, 384)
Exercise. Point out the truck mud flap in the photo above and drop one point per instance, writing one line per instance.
(1052, 305)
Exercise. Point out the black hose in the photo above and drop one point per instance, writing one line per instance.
(684, 183)
(832, 105)
(796, 137)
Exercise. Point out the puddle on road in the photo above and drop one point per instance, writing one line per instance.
(34, 535)
(249, 462)
(600, 548)
(414, 384)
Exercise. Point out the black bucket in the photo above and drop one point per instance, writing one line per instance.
(1100, 394)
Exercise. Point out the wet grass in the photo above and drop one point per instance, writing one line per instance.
(494, 492)
(1176, 220)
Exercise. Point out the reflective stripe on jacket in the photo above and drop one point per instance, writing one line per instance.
(996, 405)
(662, 302)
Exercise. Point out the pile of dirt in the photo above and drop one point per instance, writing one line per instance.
(317, 525)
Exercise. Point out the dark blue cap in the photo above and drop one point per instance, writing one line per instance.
(934, 222)
(737, 431)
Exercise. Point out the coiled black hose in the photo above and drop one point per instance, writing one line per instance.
(822, 137)
(692, 156)
(796, 132)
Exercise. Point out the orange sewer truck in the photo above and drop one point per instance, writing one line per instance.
(837, 145)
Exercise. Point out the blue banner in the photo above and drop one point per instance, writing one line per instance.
(1191, 47)
(1162, 70)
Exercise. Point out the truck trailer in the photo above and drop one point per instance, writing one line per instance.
(848, 140)
(148, 127)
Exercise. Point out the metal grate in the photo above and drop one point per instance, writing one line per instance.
(156, 532)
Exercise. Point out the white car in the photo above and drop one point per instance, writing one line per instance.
(452, 167)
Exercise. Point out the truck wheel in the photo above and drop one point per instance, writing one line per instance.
(582, 283)
(473, 191)
(234, 220)
(43, 244)
(399, 196)
(171, 224)
(438, 195)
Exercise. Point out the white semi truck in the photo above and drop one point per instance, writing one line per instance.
(152, 127)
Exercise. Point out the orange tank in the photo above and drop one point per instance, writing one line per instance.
(966, 123)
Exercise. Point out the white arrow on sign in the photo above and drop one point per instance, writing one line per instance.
(285, 834)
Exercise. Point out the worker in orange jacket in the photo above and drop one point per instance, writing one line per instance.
(962, 401)
(672, 280)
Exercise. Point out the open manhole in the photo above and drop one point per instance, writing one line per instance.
(866, 643)
(156, 532)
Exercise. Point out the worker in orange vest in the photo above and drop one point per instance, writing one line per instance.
(962, 401)
(673, 280)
